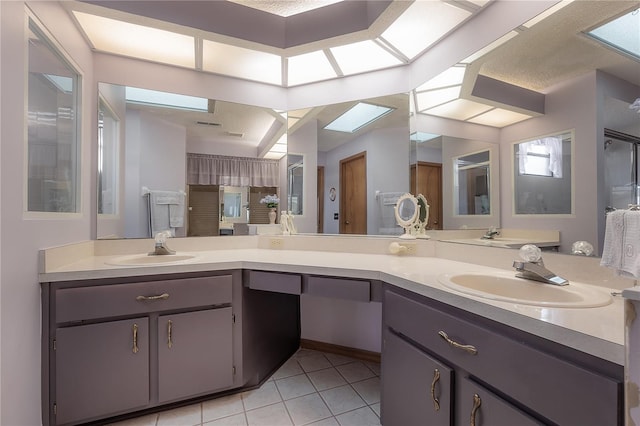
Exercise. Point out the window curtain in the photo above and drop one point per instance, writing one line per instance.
(553, 146)
(205, 169)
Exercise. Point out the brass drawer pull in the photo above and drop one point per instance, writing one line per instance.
(477, 402)
(169, 327)
(135, 338)
(436, 378)
(468, 348)
(163, 296)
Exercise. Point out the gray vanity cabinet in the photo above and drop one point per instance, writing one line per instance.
(117, 345)
(195, 353)
(101, 368)
(418, 389)
(503, 376)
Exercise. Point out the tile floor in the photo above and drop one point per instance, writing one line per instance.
(311, 388)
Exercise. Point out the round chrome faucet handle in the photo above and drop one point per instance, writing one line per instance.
(530, 253)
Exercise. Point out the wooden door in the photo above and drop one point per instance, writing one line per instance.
(204, 211)
(426, 179)
(353, 194)
(320, 195)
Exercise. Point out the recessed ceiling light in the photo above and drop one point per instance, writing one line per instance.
(137, 95)
(137, 41)
(431, 98)
(622, 33)
(451, 77)
(286, 8)
(357, 117)
(459, 109)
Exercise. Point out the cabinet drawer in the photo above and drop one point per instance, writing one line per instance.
(562, 391)
(84, 303)
(339, 288)
(274, 281)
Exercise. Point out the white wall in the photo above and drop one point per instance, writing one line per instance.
(156, 159)
(23, 236)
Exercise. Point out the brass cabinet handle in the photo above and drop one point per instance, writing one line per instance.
(169, 342)
(135, 338)
(477, 402)
(436, 378)
(468, 348)
(163, 296)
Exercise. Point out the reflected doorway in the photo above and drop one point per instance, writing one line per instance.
(353, 194)
(320, 196)
(426, 179)
(203, 205)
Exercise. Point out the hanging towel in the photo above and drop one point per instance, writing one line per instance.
(176, 212)
(622, 243)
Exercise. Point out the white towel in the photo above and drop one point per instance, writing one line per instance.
(622, 243)
(166, 211)
(176, 212)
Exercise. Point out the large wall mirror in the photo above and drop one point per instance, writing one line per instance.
(199, 166)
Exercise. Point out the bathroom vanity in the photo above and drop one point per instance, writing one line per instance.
(119, 340)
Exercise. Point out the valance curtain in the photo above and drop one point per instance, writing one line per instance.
(205, 169)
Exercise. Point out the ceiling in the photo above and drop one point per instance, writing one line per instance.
(534, 57)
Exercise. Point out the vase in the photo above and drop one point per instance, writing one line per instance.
(272, 215)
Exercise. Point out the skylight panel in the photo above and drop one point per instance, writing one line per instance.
(363, 56)
(137, 41)
(460, 109)
(553, 9)
(499, 118)
(421, 137)
(308, 68)
(165, 99)
(426, 100)
(422, 24)
(451, 77)
(239, 62)
(357, 117)
(622, 33)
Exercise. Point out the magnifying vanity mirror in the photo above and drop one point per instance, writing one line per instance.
(407, 212)
(423, 217)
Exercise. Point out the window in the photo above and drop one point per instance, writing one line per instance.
(108, 165)
(541, 157)
(52, 128)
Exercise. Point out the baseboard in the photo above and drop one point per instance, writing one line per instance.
(360, 354)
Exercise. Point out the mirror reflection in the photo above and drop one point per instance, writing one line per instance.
(471, 183)
(542, 175)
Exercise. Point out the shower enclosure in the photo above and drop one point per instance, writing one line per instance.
(622, 169)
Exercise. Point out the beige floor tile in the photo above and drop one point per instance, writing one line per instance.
(271, 415)
(374, 366)
(307, 409)
(314, 362)
(368, 389)
(331, 421)
(342, 399)
(336, 359)
(183, 416)
(305, 352)
(235, 420)
(376, 408)
(360, 417)
(295, 386)
(289, 368)
(267, 394)
(355, 371)
(326, 379)
(222, 407)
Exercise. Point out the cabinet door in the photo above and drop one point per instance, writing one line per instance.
(477, 406)
(101, 369)
(195, 353)
(416, 389)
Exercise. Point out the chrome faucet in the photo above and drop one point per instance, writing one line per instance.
(161, 244)
(491, 233)
(535, 270)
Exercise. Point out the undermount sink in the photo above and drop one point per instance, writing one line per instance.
(150, 260)
(507, 287)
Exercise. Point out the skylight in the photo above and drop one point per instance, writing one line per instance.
(622, 33)
(421, 137)
(358, 116)
(166, 100)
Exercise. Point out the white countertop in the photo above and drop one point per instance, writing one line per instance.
(597, 331)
